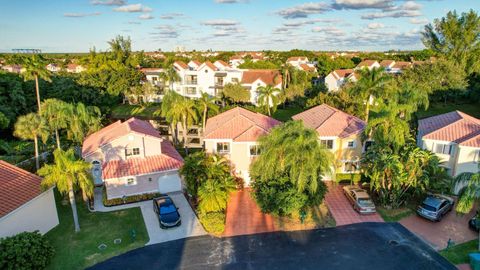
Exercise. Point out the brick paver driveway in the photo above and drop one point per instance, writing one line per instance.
(342, 211)
(245, 217)
(452, 226)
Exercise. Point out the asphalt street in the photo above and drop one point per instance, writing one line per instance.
(357, 246)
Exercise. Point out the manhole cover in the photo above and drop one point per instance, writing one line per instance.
(117, 241)
(393, 242)
(102, 246)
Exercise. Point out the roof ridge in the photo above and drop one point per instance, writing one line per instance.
(445, 126)
(18, 169)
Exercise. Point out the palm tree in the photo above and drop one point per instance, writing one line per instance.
(68, 173)
(57, 114)
(83, 120)
(171, 76)
(188, 114)
(370, 84)
(268, 97)
(206, 103)
(35, 67)
(31, 127)
(169, 110)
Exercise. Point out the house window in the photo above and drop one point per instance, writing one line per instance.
(441, 148)
(327, 144)
(132, 152)
(223, 147)
(351, 144)
(191, 90)
(254, 150)
(130, 182)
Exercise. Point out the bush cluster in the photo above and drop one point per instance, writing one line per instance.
(27, 250)
(213, 222)
(128, 199)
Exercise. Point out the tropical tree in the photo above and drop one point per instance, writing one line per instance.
(170, 111)
(205, 104)
(280, 160)
(370, 85)
(83, 120)
(268, 97)
(171, 76)
(188, 115)
(35, 68)
(67, 174)
(31, 127)
(456, 37)
(57, 114)
(469, 194)
(236, 93)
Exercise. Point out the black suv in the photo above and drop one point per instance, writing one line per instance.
(167, 212)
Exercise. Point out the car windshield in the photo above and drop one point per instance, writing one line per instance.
(365, 202)
(167, 209)
(428, 207)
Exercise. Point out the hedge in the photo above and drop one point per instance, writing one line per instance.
(27, 250)
(128, 199)
(213, 222)
(348, 177)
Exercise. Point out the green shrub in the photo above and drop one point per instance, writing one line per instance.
(128, 199)
(353, 178)
(27, 250)
(213, 222)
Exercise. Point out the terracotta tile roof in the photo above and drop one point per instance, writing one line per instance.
(342, 73)
(402, 65)
(235, 57)
(455, 126)
(17, 187)
(330, 122)
(117, 130)
(210, 65)
(196, 62)
(169, 160)
(366, 63)
(307, 67)
(181, 64)
(386, 63)
(240, 125)
(297, 58)
(222, 63)
(268, 76)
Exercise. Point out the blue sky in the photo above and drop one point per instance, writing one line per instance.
(78, 25)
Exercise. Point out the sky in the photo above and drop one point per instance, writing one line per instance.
(80, 25)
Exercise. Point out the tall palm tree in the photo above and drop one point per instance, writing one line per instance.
(31, 127)
(206, 103)
(170, 111)
(370, 85)
(189, 115)
(57, 114)
(171, 76)
(83, 120)
(68, 173)
(268, 97)
(35, 67)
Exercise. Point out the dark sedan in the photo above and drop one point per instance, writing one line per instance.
(167, 212)
(434, 207)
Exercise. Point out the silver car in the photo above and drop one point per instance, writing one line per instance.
(435, 206)
(360, 199)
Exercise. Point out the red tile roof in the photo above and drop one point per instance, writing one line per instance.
(181, 64)
(297, 58)
(222, 63)
(117, 130)
(307, 67)
(17, 187)
(198, 63)
(169, 160)
(330, 122)
(240, 125)
(210, 65)
(342, 73)
(455, 126)
(366, 63)
(268, 76)
(386, 63)
(402, 65)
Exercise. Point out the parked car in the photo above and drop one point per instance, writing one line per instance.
(360, 199)
(167, 212)
(435, 207)
(474, 223)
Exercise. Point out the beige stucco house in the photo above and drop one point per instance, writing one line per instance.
(339, 132)
(23, 204)
(234, 134)
(131, 158)
(455, 138)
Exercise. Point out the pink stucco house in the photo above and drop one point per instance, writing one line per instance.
(131, 158)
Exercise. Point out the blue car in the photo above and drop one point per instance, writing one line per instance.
(167, 212)
(435, 207)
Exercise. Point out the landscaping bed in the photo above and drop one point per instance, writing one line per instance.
(316, 217)
(127, 199)
(80, 250)
(458, 254)
(394, 215)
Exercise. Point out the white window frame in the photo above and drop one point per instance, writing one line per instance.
(354, 144)
(444, 146)
(132, 154)
(223, 151)
(250, 150)
(134, 181)
(333, 139)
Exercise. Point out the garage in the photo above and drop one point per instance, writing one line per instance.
(169, 182)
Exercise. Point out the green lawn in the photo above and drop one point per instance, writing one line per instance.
(439, 108)
(80, 250)
(394, 215)
(459, 254)
(286, 114)
(127, 110)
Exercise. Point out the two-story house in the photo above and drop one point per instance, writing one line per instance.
(131, 158)
(254, 78)
(234, 134)
(337, 78)
(455, 138)
(370, 64)
(338, 132)
(302, 63)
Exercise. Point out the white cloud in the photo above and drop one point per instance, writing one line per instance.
(396, 14)
(133, 8)
(375, 25)
(303, 10)
(171, 16)
(419, 20)
(330, 30)
(81, 15)
(146, 16)
(230, 1)
(109, 2)
(219, 22)
(362, 4)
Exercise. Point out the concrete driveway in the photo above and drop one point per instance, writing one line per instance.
(190, 224)
(452, 227)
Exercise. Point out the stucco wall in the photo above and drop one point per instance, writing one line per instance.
(466, 160)
(37, 214)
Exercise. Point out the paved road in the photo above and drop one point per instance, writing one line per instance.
(356, 246)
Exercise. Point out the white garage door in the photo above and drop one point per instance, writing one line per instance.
(169, 183)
